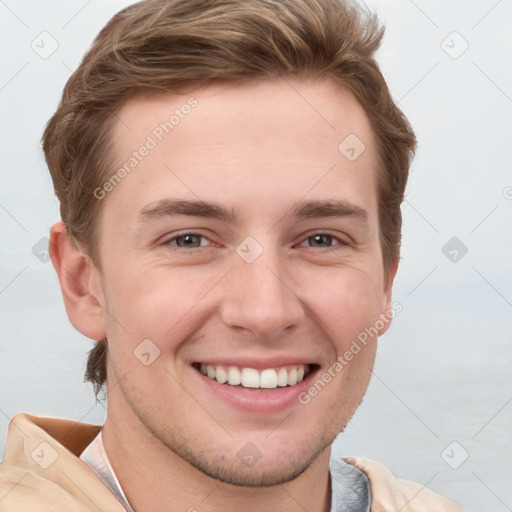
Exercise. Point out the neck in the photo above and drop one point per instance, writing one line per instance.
(155, 478)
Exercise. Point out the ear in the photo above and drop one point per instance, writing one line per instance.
(388, 311)
(80, 284)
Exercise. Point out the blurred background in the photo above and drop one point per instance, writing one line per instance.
(439, 408)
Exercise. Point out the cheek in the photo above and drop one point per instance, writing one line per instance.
(157, 304)
(347, 300)
(348, 307)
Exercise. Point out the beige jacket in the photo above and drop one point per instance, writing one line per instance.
(42, 472)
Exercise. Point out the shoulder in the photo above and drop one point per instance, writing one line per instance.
(391, 494)
(42, 472)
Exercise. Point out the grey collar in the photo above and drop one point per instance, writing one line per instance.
(350, 488)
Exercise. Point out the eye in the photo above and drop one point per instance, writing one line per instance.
(188, 240)
(322, 240)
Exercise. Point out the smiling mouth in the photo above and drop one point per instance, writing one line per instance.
(250, 378)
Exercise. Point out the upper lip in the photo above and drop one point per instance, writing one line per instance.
(257, 363)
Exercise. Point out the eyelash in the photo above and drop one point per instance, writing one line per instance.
(341, 243)
(182, 235)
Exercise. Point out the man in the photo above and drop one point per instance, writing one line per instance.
(230, 177)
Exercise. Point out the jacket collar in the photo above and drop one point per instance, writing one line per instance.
(41, 470)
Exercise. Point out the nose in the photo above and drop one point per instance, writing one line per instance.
(259, 298)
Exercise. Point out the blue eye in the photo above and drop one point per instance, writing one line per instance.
(322, 239)
(187, 240)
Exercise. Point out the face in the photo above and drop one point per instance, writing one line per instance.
(243, 245)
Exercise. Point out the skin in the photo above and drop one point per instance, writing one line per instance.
(259, 149)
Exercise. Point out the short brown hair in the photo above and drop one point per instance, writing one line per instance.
(171, 45)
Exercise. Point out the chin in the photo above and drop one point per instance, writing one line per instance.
(264, 470)
(241, 463)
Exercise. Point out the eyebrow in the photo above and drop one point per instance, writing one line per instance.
(301, 210)
(168, 207)
(328, 208)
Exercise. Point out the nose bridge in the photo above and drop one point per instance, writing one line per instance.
(259, 297)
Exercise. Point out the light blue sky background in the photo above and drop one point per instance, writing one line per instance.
(443, 370)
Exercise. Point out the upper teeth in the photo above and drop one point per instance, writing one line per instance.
(250, 378)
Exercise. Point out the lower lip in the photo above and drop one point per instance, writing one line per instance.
(259, 401)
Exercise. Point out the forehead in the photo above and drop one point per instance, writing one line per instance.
(306, 109)
(272, 137)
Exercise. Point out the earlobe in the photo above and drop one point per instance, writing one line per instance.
(75, 272)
